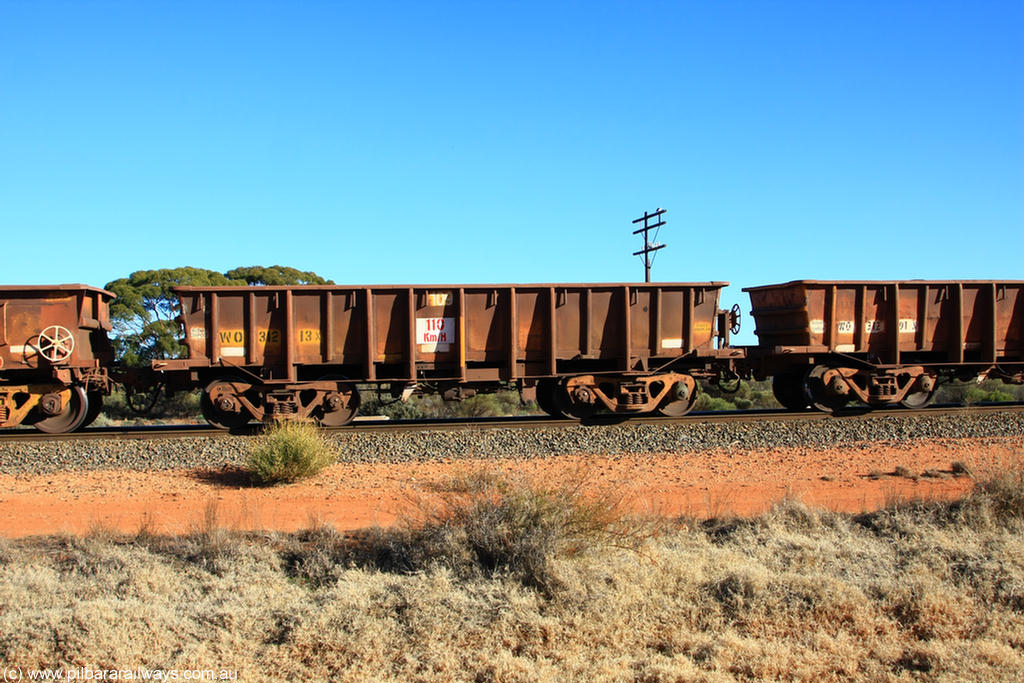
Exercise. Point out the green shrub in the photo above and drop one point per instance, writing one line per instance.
(706, 402)
(183, 405)
(496, 404)
(969, 393)
(289, 451)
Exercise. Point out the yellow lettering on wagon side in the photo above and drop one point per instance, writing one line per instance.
(439, 298)
(271, 337)
(308, 336)
(231, 336)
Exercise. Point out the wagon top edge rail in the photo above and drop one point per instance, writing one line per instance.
(57, 288)
(876, 283)
(474, 285)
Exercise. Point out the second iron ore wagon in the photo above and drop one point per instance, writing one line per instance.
(263, 353)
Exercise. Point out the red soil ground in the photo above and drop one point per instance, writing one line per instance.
(351, 496)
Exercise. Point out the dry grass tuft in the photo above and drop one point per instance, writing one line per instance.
(520, 527)
(288, 452)
(1003, 495)
(904, 472)
(484, 523)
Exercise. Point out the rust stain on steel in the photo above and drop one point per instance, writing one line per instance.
(956, 321)
(44, 327)
(451, 332)
(53, 349)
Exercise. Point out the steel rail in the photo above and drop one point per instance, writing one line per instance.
(158, 432)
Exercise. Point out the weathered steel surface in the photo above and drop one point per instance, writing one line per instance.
(461, 333)
(941, 322)
(825, 343)
(48, 328)
(54, 355)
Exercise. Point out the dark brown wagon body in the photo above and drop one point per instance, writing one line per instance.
(262, 347)
(827, 342)
(54, 355)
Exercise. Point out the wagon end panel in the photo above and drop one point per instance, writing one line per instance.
(47, 328)
(782, 315)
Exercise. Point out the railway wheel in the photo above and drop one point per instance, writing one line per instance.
(95, 408)
(918, 399)
(578, 407)
(221, 406)
(679, 402)
(822, 398)
(547, 389)
(339, 407)
(69, 418)
(788, 388)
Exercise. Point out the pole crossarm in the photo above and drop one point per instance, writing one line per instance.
(649, 250)
(648, 247)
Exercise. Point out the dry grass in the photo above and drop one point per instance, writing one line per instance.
(922, 591)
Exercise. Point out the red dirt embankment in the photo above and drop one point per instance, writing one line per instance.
(351, 496)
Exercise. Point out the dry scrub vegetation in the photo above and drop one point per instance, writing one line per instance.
(498, 580)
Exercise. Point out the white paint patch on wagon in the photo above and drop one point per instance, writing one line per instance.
(435, 335)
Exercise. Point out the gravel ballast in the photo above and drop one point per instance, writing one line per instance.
(466, 443)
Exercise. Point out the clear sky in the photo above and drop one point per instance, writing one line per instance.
(427, 142)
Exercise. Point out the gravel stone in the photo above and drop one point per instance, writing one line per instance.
(512, 442)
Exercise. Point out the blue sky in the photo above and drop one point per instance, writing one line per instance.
(408, 142)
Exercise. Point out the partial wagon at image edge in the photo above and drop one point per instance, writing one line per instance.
(55, 357)
(829, 343)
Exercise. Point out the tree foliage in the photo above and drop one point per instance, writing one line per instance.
(276, 275)
(145, 311)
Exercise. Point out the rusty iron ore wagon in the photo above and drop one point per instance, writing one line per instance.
(825, 343)
(265, 353)
(54, 355)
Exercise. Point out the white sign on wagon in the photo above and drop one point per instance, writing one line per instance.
(435, 334)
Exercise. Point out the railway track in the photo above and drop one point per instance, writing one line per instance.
(157, 432)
